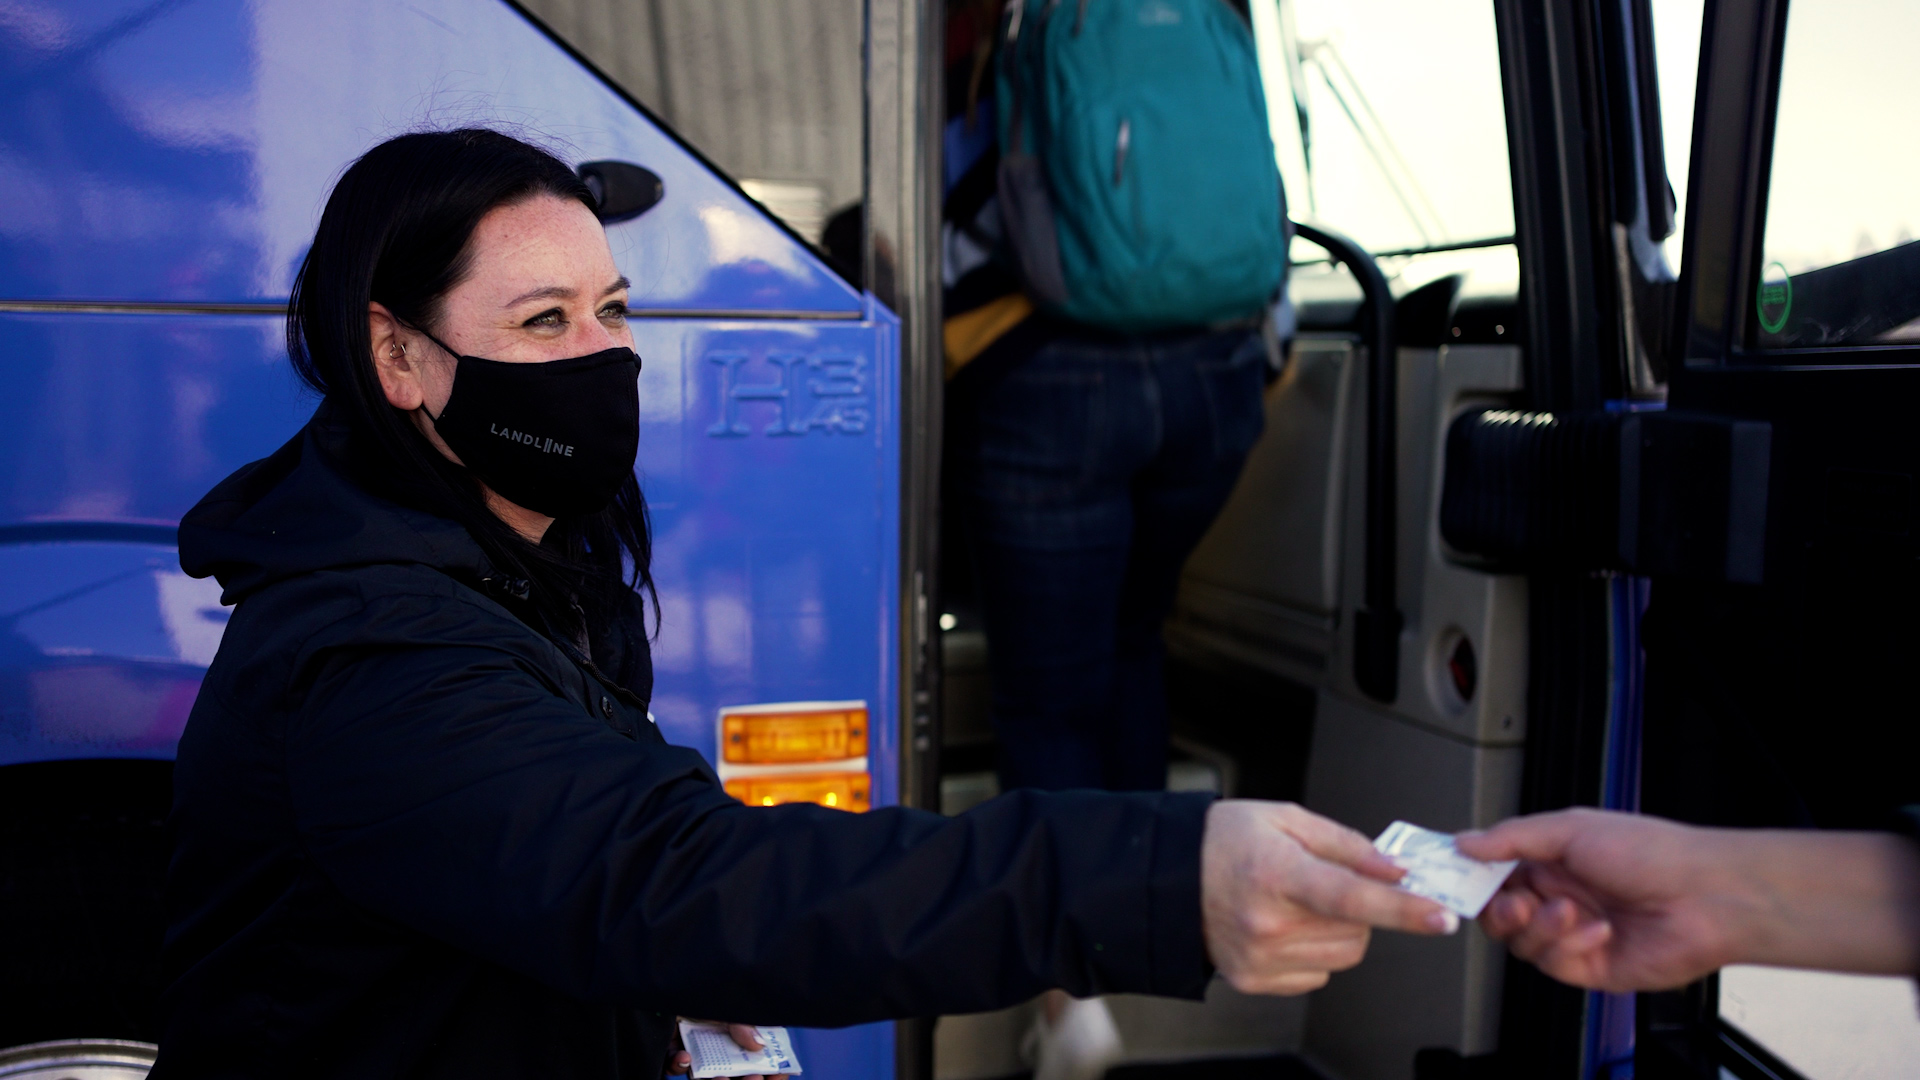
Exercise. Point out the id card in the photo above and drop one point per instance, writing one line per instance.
(716, 1054)
(1436, 869)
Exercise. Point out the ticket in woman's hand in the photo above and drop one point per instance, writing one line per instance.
(716, 1054)
(1436, 869)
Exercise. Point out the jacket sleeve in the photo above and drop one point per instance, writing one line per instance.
(447, 788)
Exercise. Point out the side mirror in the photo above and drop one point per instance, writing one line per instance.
(623, 190)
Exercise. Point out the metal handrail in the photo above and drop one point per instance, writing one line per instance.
(1377, 619)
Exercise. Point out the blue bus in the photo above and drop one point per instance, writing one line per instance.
(166, 163)
(1588, 475)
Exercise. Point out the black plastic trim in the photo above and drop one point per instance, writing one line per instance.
(118, 532)
(1740, 46)
(621, 190)
(1748, 1060)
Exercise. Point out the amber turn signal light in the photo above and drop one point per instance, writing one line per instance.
(787, 737)
(840, 790)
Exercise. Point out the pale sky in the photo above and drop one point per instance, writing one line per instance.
(1846, 159)
(1431, 71)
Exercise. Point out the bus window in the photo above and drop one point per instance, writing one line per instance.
(1389, 125)
(771, 93)
(1676, 46)
(1365, 141)
(1839, 263)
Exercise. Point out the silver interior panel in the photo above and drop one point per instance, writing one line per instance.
(1370, 767)
(1273, 587)
(1263, 587)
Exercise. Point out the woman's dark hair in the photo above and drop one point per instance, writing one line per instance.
(396, 230)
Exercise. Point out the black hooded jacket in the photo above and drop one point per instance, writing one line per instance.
(415, 838)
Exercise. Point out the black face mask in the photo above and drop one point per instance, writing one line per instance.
(558, 438)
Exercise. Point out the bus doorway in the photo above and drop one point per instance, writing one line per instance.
(1391, 129)
(1517, 674)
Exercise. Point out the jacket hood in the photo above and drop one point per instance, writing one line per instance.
(297, 512)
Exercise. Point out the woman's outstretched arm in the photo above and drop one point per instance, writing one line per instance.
(446, 788)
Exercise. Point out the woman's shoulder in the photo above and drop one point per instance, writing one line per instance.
(399, 604)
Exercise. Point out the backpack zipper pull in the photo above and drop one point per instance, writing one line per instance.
(1120, 143)
(1013, 19)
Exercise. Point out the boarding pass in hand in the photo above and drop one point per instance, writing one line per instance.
(1436, 869)
(716, 1054)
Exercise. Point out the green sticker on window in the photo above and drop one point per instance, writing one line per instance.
(1775, 300)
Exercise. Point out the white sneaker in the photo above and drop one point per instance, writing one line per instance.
(1082, 1045)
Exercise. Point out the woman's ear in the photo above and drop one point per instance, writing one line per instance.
(400, 373)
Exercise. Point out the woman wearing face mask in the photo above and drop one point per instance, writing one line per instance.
(423, 826)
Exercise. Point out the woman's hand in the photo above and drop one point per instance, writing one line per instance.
(1621, 902)
(744, 1036)
(1287, 897)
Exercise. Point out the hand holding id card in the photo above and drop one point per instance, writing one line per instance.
(715, 1053)
(1436, 869)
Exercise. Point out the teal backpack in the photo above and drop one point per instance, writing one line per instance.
(1137, 183)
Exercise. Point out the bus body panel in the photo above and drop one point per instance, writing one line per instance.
(769, 455)
(182, 151)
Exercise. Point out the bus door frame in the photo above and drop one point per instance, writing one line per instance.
(1591, 205)
(905, 109)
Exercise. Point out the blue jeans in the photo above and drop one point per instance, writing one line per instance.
(1086, 475)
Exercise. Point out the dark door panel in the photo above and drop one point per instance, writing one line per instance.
(1789, 702)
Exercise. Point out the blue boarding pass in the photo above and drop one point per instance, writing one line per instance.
(1436, 869)
(716, 1054)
